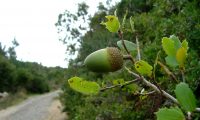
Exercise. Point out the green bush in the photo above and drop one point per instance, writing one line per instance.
(23, 77)
(37, 85)
(7, 75)
(74, 101)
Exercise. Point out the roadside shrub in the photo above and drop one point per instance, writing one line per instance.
(7, 75)
(23, 77)
(38, 85)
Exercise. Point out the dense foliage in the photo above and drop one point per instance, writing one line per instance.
(153, 19)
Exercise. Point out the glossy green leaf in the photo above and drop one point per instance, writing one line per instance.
(83, 86)
(181, 56)
(143, 68)
(129, 45)
(173, 113)
(171, 46)
(112, 24)
(185, 97)
(175, 50)
(168, 46)
(171, 61)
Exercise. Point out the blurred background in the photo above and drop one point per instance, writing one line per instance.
(44, 43)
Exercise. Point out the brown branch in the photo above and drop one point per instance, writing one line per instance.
(134, 74)
(148, 93)
(138, 48)
(120, 85)
(123, 43)
(167, 95)
(127, 57)
(122, 39)
(168, 71)
(154, 86)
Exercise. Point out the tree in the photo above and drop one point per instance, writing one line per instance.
(2, 50)
(71, 28)
(11, 50)
(7, 75)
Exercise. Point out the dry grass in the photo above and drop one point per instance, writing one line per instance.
(13, 99)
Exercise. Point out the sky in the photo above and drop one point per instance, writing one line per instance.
(32, 24)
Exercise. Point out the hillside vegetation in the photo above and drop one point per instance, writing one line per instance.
(153, 20)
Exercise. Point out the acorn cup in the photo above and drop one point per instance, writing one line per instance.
(108, 59)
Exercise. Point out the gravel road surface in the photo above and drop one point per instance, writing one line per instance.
(34, 108)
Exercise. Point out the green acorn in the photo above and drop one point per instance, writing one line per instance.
(108, 59)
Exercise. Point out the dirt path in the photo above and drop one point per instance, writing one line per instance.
(34, 108)
(55, 112)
